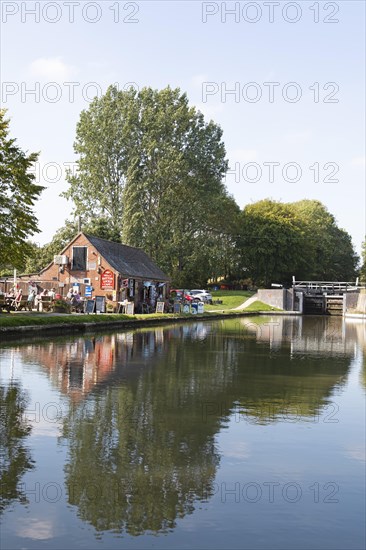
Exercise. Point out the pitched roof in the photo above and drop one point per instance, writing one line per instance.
(127, 260)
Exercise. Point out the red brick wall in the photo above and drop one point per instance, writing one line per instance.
(68, 277)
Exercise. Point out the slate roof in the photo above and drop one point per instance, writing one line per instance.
(127, 260)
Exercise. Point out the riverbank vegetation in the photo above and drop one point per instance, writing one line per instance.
(44, 319)
(154, 178)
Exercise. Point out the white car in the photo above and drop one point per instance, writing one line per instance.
(201, 295)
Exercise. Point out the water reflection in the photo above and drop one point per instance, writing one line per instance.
(15, 458)
(146, 406)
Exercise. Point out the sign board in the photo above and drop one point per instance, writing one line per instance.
(107, 280)
(89, 306)
(186, 308)
(160, 307)
(88, 291)
(130, 308)
(177, 307)
(100, 304)
(200, 307)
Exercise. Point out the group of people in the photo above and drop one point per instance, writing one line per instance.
(74, 299)
(14, 297)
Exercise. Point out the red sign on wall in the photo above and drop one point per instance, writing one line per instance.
(107, 280)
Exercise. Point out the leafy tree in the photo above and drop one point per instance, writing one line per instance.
(279, 240)
(363, 267)
(174, 184)
(103, 137)
(329, 250)
(18, 193)
(152, 166)
(271, 242)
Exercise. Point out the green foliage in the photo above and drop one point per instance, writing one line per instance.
(363, 267)
(151, 166)
(329, 251)
(261, 306)
(271, 241)
(18, 193)
(174, 186)
(103, 138)
(61, 306)
(279, 240)
(15, 458)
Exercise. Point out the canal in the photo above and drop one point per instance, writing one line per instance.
(244, 433)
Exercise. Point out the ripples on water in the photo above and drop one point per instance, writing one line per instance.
(246, 433)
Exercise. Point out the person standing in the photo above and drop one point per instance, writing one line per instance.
(30, 300)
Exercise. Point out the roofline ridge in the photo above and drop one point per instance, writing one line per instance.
(88, 235)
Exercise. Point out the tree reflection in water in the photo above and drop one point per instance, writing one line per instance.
(142, 447)
(15, 458)
(146, 406)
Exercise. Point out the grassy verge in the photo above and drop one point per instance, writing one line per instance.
(46, 319)
(230, 299)
(36, 319)
(260, 306)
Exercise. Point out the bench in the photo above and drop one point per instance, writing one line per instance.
(45, 303)
(21, 304)
(9, 304)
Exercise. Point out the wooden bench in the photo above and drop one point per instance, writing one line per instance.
(9, 304)
(21, 304)
(45, 303)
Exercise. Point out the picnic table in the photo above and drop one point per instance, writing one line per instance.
(45, 303)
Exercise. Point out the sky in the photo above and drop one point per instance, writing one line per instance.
(284, 80)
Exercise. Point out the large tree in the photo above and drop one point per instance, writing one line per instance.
(151, 164)
(329, 249)
(279, 240)
(104, 136)
(18, 193)
(272, 242)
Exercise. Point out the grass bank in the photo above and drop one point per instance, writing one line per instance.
(261, 306)
(33, 319)
(229, 298)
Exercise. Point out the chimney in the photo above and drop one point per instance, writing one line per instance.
(79, 224)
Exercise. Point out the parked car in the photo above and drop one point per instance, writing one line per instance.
(201, 295)
(178, 294)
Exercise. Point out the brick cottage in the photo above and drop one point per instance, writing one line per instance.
(97, 267)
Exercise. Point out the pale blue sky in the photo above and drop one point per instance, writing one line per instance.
(170, 44)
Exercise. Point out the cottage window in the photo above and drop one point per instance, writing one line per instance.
(79, 258)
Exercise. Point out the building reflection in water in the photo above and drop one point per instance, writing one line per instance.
(146, 406)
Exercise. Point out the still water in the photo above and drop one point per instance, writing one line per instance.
(245, 433)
